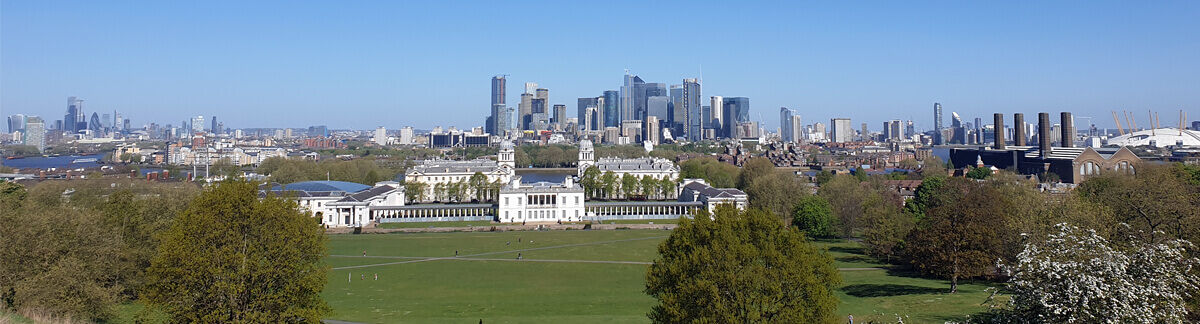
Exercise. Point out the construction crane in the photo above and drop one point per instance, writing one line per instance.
(1089, 124)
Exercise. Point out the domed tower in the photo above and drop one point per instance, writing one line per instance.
(587, 156)
(507, 158)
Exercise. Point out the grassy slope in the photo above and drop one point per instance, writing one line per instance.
(508, 292)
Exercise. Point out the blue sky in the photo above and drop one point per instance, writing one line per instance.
(361, 64)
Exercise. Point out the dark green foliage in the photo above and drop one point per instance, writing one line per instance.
(962, 239)
(365, 171)
(979, 173)
(232, 257)
(814, 216)
(716, 173)
(741, 267)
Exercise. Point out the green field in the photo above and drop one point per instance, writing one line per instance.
(573, 277)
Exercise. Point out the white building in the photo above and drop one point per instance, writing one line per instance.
(657, 168)
(380, 137)
(343, 204)
(433, 173)
(357, 210)
(406, 136)
(209, 155)
(841, 130)
(541, 202)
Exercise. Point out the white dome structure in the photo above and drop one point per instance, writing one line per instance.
(1160, 137)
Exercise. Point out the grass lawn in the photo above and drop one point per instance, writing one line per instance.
(435, 224)
(571, 277)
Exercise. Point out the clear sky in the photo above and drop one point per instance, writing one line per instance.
(362, 64)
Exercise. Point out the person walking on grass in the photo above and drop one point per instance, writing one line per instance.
(376, 276)
(349, 277)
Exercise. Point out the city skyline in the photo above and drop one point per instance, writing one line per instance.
(874, 64)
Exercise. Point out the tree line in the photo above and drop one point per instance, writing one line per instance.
(75, 249)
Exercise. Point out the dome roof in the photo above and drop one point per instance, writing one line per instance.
(506, 145)
(1162, 137)
(585, 144)
(348, 187)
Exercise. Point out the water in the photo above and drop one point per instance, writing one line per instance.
(55, 162)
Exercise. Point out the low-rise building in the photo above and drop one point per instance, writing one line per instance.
(541, 202)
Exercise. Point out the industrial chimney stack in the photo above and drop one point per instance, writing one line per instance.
(1068, 130)
(1019, 129)
(1044, 134)
(998, 130)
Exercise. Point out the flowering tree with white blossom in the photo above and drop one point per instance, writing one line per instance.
(1076, 276)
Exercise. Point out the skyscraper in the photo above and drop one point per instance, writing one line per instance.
(74, 116)
(841, 130)
(959, 129)
(785, 125)
(499, 123)
(94, 124)
(797, 128)
(717, 105)
(611, 112)
(16, 123)
(581, 105)
(631, 90)
(737, 111)
(657, 106)
(216, 127)
(893, 130)
(691, 108)
(560, 115)
(197, 124)
(35, 133)
(525, 110)
(937, 124)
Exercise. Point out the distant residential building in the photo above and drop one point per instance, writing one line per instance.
(841, 130)
(406, 136)
(35, 133)
(380, 137)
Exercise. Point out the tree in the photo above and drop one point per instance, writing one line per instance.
(1076, 276)
(629, 185)
(609, 184)
(477, 184)
(715, 173)
(415, 191)
(741, 267)
(814, 216)
(755, 169)
(649, 186)
(667, 187)
(929, 194)
(959, 240)
(933, 167)
(591, 181)
(979, 173)
(233, 257)
(1157, 200)
(59, 260)
(846, 195)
